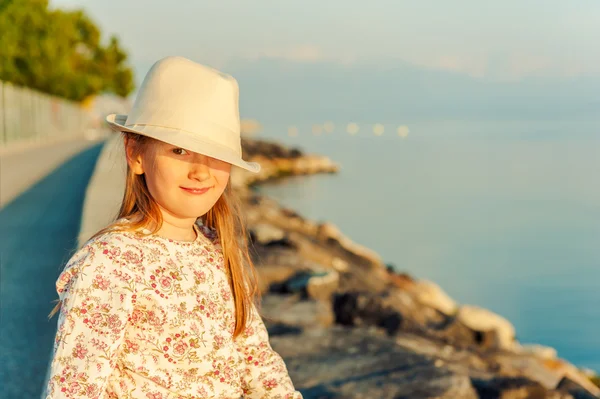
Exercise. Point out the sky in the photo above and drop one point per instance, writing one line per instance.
(508, 38)
(494, 48)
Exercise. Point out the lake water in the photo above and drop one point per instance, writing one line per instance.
(501, 214)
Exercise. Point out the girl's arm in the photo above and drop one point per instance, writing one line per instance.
(98, 295)
(265, 375)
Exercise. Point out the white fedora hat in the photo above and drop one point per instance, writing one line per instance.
(189, 105)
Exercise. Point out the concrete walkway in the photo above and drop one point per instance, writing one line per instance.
(19, 170)
(39, 226)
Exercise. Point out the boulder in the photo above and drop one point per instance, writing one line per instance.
(265, 233)
(513, 388)
(312, 284)
(359, 363)
(540, 351)
(328, 232)
(575, 389)
(430, 294)
(496, 332)
(270, 276)
(290, 310)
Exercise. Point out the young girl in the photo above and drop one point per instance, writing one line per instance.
(162, 303)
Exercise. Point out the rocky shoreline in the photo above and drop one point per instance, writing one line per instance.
(349, 326)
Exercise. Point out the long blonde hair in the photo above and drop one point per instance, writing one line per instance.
(225, 216)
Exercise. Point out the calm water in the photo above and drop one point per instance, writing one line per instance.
(501, 214)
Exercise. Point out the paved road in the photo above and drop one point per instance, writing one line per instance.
(38, 232)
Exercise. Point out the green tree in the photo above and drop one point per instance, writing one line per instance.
(59, 52)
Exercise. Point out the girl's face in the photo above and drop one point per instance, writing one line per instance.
(173, 175)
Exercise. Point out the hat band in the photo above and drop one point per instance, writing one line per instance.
(195, 135)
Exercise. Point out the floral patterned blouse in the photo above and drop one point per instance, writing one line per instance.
(150, 317)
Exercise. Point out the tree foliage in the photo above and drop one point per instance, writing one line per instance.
(59, 52)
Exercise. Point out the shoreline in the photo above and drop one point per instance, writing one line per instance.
(329, 282)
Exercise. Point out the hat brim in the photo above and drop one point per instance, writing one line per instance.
(184, 140)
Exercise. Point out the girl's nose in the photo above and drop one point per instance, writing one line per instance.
(199, 169)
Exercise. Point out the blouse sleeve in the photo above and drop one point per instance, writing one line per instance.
(265, 375)
(98, 296)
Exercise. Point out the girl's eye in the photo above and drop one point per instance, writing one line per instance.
(179, 151)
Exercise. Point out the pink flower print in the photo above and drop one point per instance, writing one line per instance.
(92, 390)
(180, 348)
(226, 294)
(101, 282)
(270, 384)
(116, 251)
(103, 346)
(65, 277)
(131, 257)
(165, 282)
(228, 373)
(154, 320)
(156, 395)
(200, 275)
(95, 319)
(79, 351)
(212, 307)
(73, 388)
(262, 357)
(132, 346)
(249, 331)
(136, 316)
(114, 322)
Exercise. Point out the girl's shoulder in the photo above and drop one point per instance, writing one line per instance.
(114, 239)
(109, 254)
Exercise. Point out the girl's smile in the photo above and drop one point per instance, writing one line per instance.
(196, 191)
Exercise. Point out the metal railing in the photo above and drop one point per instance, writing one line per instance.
(27, 115)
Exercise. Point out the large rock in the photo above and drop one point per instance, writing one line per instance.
(541, 351)
(514, 388)
(319, 285)
(432, 295)
(575, 389)
(265, 233)
(277, 161)
(395, 311)
(329, 232)
(323, 286)
(359, 363)
(548, 372)
(564, 369)
(290, 310)
(272, 275)
(500, 332)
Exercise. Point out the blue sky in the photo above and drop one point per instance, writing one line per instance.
(525, 51)
(482, 38)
